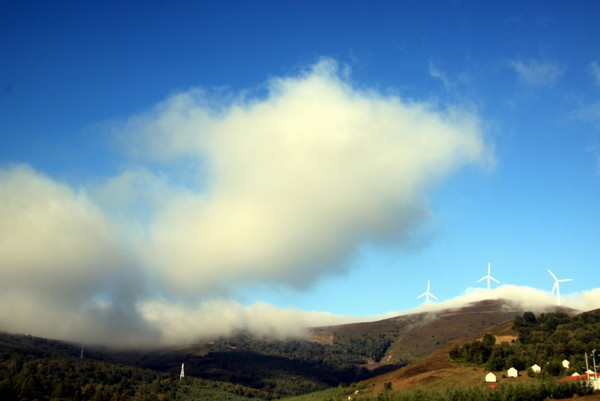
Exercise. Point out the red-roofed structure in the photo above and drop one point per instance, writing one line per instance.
(585, 376)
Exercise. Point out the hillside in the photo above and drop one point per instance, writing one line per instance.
(33, 368)
(242, 366)
(541, 339)
(415, 336)
(438, 370)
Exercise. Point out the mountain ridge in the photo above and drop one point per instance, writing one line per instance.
(272, 368)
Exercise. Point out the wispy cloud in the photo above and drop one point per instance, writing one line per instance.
(223, 190)
(595, 151)
(536, 73)
(590, 112)
(436, 73)
(594, 69)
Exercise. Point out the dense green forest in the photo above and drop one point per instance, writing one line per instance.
(545, 340)
(36, 368)
(232, 368)
(276, 367)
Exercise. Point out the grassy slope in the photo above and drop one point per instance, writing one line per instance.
(438, 371)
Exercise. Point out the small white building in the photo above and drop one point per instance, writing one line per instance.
(536, 368)
(575, 374)
(512, 372)
(566, 364)
(490, 378)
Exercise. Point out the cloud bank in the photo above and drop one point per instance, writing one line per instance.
(521, 297)
(280, 185)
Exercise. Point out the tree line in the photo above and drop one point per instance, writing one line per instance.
(545, 340)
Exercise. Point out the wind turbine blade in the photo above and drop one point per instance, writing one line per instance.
(566, 279)
(552, 274)
(422, 295)
(489, 268)
(434, 297)
(494, 279)
(554, 287)
(481, 279)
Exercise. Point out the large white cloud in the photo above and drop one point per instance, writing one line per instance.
(278, 186)
(48, 233)
(65, 272)
(284, 186)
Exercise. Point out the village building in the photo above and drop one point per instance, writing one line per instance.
(512, 372)
(566, 364)
(536, 368)
(490, 378)
(590, 378)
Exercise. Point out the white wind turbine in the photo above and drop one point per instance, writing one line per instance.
(556, 286)
(488, 277)
(427, 294)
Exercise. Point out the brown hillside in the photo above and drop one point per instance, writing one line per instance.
(438, 371)
(415, 336)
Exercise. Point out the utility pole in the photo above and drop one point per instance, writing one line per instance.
(587, 366)
(594, 360)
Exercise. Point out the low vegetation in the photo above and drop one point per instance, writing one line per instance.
(533, 392)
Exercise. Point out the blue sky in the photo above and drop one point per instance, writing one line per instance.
(272, 157)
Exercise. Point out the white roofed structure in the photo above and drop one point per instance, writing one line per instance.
(490, 378)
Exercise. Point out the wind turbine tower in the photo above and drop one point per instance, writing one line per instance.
(556, 286)
(427, 294)
(488, 278)
(181, 375)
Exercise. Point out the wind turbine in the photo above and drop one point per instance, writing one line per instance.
(427, 294)
(556, 286)
(488, 277)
